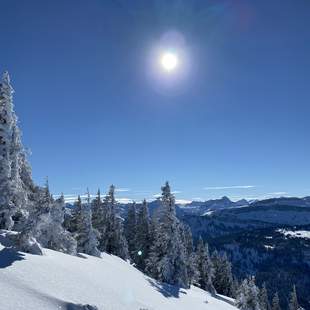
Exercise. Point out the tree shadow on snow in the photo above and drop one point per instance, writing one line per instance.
(71, 306)
(221, 298)
(8, 256)
(167, 290)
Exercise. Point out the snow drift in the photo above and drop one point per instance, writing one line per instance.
(60, 281)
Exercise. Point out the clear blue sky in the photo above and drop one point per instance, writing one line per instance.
(94, 112)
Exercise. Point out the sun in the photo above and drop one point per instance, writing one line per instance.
(169, 61)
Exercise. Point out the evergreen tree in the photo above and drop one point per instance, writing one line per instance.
(99, 220)
(222, 277)
(248, 295)
(190, 254)
(293, 303)
(13, 195)
(130, 230)
(34, 228)
(143, 236)
(275, 302)
(56, 237)
(86, 235)
(263, 298)
(115, 241)
(204, 267)
(167, 259)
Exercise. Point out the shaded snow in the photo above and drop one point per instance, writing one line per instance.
(60, 281)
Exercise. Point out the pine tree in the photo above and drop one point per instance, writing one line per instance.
(167, 259)
(86, 235)
(222, 278)
(143, 236)
(204, 267)
(263, 298)
(275, 302)
(293, 303)
(248, 295)
(130, 230)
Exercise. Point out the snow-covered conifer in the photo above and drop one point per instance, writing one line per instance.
(263, 298)
(204, 267)
(293, 302)
(275, 302)
(143, 236)
(86, 235)
(222, 278)
(99, 220)
(130, 230)
(167, 259)
(115, 241)
(248, 295)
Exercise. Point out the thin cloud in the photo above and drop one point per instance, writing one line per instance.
(182, 201)
(121, 190)
(277, 194)
(229, 187)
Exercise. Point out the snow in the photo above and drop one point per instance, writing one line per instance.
(295, 234)
(60, 281)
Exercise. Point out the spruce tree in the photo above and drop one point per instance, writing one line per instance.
(204, 267)
(115, 241)
(99, 220)
(263, 298)
(86, 235)
(275, 302)
(293, 302)
(167, 259)
(143, 236)
(248, 295)
(222, 277)
(130, 230)
(13, 194)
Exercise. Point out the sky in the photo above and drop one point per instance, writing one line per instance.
(96, 107)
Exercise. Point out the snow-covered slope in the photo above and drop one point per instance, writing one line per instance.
(60, 281)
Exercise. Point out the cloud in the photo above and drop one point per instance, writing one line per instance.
(176, 192)
(229, 187)
(182, 201)
(120, 190)
(277, 194)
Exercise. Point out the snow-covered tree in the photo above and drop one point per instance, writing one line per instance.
(114, 240)
(35, 225)
(293, 302)
(13, 195)
(86, 235)
(130, 230)
(56, 237)
(263, 298)
(204, 267)
(143, 236)
(248, 295)
(222, 277)
(167, 259)
(99, 220)
(275, 302)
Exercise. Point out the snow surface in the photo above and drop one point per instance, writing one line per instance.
(60, 281)
(295, 234)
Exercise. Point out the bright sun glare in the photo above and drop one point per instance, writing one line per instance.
(169, 61)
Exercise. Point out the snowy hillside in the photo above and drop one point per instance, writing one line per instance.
(60, 281)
